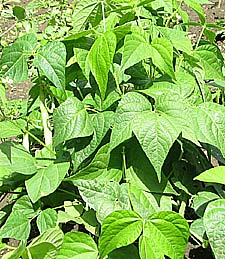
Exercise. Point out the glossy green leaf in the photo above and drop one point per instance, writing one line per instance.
(214, 224)
(101, 123)
(99, 169)
(162, 55)
(165, 233)
(104, 197)
(178, 38)
(130, 105)
(100, 59)
(213, 175)
(44, 250)
(15, 158)
(136, 48)
(47, 219)
(9, 129)
(156, 134)
(125, 252)
(120, 228)
(46, 180)
(208, 122)
(71, 120)
(51, 62)
(82, 12)
(24, 205)
(13, 62)
(78, 245)
(211, 61)
(16, 226)
(144, 203)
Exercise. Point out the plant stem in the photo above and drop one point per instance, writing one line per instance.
(45, 119)
(200, 36)
(103, 16)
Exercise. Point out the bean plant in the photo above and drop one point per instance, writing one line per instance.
(111, 155)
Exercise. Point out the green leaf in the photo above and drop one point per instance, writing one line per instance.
(78, 245)
(46, 180)
(211, 60)
(213, 175)
(44, 250)
(99, 169)
(165, 233)
(13, 62)
(101, 123)
(19, 12)
(24, 205)
(15, 254)
(214, 224)
(104, 197)
(52, 235)
(16, 226)
(208, 122)
(156, 134)
(120, 228)
(51, 61)
(136, 48)
(15, 158)
(125, 252)
(71, 120)
(178, 38)
(100, 59)
(9, 129)
(130, 105)
(144, 203)
(83, 11)
(162, 55)
(201, 200)
(47, 219)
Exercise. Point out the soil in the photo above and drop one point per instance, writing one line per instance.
(215, 12)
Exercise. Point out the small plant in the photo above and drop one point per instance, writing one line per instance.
(119, 125)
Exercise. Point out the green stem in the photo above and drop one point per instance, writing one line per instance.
(45, 118)
(103, 16)
(200, 36)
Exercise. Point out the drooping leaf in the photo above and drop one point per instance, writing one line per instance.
(101, 123)
(214, 224)
(16, 226)
(71, 120)
(164, 233)
(104, 197)
(15, 158)
(120, 228)
(156, 134)
(162, 55)
(47, 219)
(15, 254)
(100, 58)
(99, 169)
(46, 180)
(51, 61)
(130, 105)
(78, 245)
(13, 62)
(82, 13)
